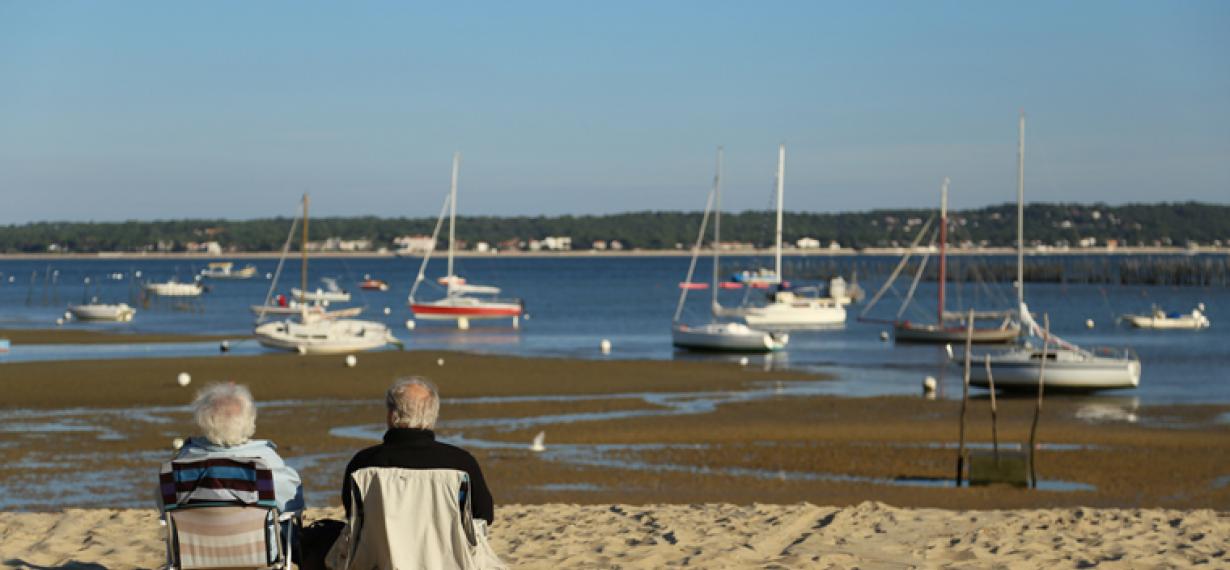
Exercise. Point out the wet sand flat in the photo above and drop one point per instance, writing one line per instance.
(617, 432)
(78, 336)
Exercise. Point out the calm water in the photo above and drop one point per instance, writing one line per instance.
(573, 303)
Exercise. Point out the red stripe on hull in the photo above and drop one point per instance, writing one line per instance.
(466, 311)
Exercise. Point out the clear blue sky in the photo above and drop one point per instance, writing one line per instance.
(118, 110)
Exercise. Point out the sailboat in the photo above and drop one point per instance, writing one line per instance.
(949, 327)
(462, 301)
(786, 308)
(1068, 367)
(314, 330)
(717, 336)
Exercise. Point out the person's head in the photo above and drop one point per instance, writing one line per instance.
(413, 403)
(225, 413)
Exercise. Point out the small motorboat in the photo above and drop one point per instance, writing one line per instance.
(370, 284)
(1162, 320)
(95, 311)
(174, 288)
(226, 270)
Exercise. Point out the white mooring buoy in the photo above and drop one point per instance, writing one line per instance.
(605, 346)
(351, 360)
(184, 379)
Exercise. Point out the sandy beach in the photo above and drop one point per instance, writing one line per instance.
(649, 463)
(719, 535)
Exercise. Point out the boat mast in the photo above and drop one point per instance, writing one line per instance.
(943, 250)
(452, 215)
(717, 226)
(1020, 214)
(781, 181)
(303, 249)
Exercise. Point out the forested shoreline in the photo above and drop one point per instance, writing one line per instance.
(1074, 225)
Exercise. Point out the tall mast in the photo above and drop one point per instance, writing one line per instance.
(452, 214)
(303, 249)
(717, 224)
(943, 246)
(781, 182)
(1020, 213)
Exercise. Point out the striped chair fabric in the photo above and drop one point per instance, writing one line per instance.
(221, 513)
(221, 537)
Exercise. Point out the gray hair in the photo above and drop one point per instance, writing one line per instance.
(225, 413)
(413, 402)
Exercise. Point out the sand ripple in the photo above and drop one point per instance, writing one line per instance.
(870, 535)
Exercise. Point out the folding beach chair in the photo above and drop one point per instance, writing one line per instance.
(221, 513)
(412, 518)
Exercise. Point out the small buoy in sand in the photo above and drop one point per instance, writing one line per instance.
(439, 362)
(301, 350)
(224, 346)
(410, 324)
(929, 384)
(59, 321)
(883, 335)
(605, 346)
(388, 311)
(184, 379)
(537, 445)
(177, 443)
(351, 360)
(1088, 323)
(743, 361)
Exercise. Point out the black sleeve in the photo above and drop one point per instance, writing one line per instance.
(482, 505)
(346, 484)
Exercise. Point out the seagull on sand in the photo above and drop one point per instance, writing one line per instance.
(537, 446)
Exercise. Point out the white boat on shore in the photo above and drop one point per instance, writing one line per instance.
(323, 336)
(1067, 366)
(119, 312)
(717, 336)
(1162, 320)
(312, 329)
(785, 308)
(727, 337)
(175, 289)
(462, 302)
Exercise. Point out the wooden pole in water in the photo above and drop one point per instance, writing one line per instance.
(994, 425)
(969, 343)
(1033, 429)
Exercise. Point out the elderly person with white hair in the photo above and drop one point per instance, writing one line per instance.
(226, 415)
(413, 404)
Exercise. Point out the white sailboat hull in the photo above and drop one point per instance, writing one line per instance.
(173, 289)
(103, 312)
(727, 337)
(1066, 369)
(324, 336)
(796, 313)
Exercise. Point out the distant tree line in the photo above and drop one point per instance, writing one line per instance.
(1053, 224)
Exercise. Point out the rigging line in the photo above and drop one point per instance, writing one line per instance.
(922, 267)
(897, 271)
(273, 285)
(700, 239)
(435, 235)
